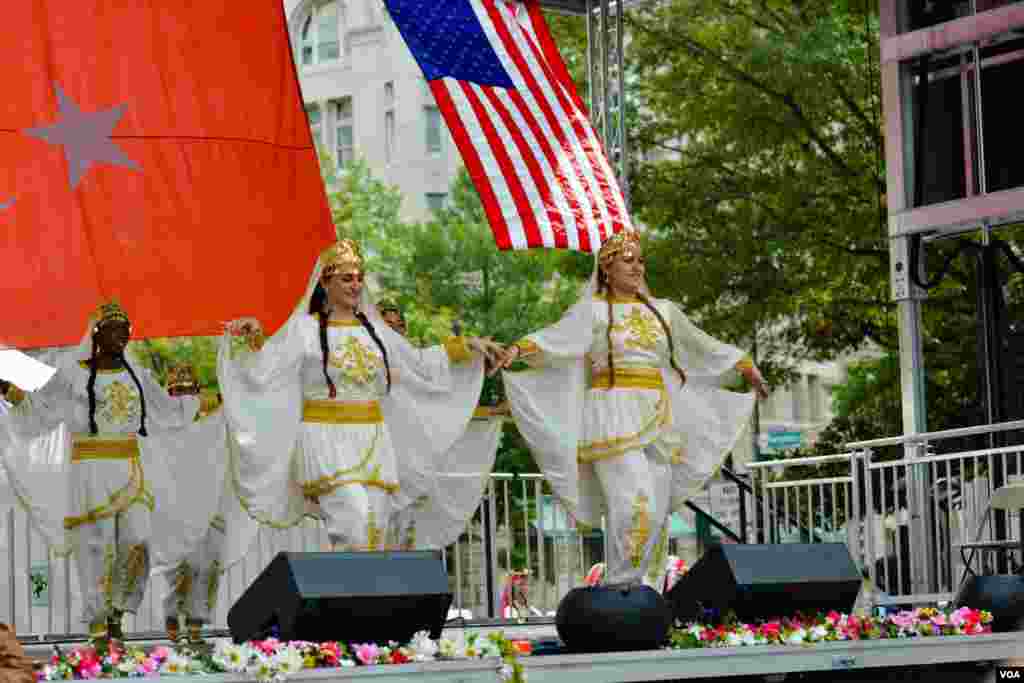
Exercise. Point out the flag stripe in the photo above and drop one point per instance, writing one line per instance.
(586, 136)
(515, 195)
(561, 181)
(474, 165)
(515, 115)
(575, 171)
(567, 118)
(547, 206)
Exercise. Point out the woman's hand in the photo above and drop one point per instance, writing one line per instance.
(485, 347)
(507, 357)
(753, 375)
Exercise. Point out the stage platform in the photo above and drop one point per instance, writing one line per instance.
(952, 658)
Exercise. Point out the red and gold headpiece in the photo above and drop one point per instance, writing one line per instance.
(343, 254)
(109, 312)
(619, 242)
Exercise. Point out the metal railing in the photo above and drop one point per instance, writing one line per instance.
(518, 525)
(905, 516)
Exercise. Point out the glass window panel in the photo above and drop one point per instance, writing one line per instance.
(436, 200)
(433, 134)
(389, 135)
(345, 136)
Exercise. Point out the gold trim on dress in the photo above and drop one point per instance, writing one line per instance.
(341, 412)
(745, 364)
(84, 447)
(133, 492)
(457, 350)
(101, 371)
(344, 323)
(527, 347)
(629, 378)
(618, 299)
(641, 529)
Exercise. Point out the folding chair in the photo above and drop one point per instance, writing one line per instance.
(1006, 498)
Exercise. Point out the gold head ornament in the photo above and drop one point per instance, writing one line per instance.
(109, 312)
(182, 377)
(627, 240)
(343, 254)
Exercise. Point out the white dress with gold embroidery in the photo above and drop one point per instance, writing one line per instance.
(357, 457)
(583, 430)
(162, 489)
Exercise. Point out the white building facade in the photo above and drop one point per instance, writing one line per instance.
(366, 97)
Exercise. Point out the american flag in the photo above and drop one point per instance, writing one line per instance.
(517, 120)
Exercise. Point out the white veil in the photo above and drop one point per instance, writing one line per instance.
(548, 403)
(426, 410)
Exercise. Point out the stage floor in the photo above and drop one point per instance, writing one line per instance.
(847, 661)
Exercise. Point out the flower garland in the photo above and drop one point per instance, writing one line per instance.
(272, 660)
(924, 621)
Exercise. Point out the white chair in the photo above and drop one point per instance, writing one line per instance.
(1007, 498)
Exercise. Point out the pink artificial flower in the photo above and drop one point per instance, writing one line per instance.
(939, 619)
(330, 653)
(268, 646)
(367, 653)
(147, 665)
(160, 653)
(90, 669)
(833, 617)
(905, 620)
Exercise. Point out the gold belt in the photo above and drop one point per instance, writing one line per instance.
(84, 447)
(629, 378)
(341, 412)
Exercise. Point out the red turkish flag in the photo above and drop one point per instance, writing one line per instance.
(157, 153)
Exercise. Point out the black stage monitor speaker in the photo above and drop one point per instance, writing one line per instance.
(763, 581)
(362, 596)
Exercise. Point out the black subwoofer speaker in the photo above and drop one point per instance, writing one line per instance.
(610, 618)
(363, 596)
(762, 581)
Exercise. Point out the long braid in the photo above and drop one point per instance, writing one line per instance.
(142, 394)
(332, 390)
(90, 388)
(602, 285)
(317, 307)
(373, 334)
(668, 334)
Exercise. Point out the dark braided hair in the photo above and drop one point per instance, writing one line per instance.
(90, 388)
(373, 334)
(142, 395)
(603, 286)
(668, 334)
(317, 307)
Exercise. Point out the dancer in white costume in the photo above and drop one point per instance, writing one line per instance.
(92, 454)
(338, 411)
(462, 470)
(622, 410)
(194, 582)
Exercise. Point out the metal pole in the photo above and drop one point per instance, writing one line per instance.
(591, 86)
(493, 599)
(620, 66)
(605, 95)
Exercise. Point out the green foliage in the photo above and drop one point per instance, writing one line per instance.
(160, 355)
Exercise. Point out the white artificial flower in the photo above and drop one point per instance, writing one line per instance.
(733, 639)
(288, 660)
(424, 649)
(506, 672)
(818, 633)
(797, 637)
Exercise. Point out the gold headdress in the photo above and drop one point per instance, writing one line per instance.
(343, 253)
(617, 243)
(109, 312)
(182, 377)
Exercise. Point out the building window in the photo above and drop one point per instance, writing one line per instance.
(432, 118)
(389, 135)
(436, 200)
(344, 139)
(314, 115)
(321, 37)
